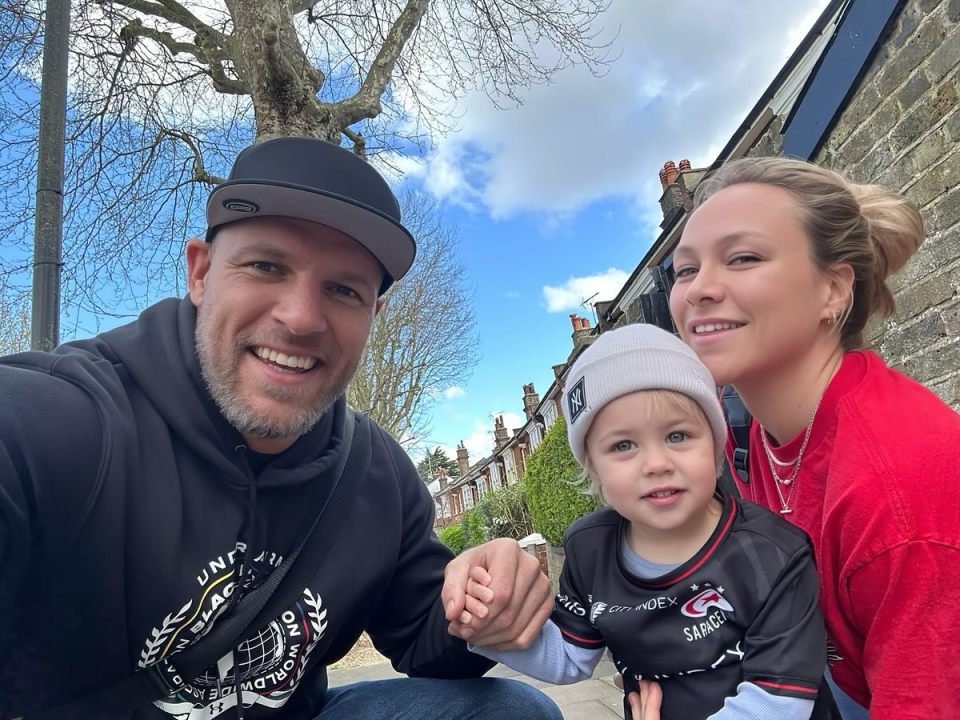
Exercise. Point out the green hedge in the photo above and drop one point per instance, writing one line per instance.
(554, 493)
(452, 537)
(472, 525)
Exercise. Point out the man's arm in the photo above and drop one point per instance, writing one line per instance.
(49, 466)
(409, 627)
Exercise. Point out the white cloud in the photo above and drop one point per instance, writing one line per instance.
(454, 392)
(576, 290)
(479, 443)
(511, 419)
(687, 75)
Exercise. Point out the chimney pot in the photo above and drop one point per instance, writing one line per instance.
(684, 165)
(671, 171)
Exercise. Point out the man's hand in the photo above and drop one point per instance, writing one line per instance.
(508, 601)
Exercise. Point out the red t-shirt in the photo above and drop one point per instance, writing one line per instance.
(879, 494)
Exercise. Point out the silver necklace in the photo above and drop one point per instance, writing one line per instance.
(773, 461)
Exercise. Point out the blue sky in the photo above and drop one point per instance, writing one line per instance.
(557, 199)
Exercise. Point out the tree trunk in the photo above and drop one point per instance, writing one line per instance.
(283, 82)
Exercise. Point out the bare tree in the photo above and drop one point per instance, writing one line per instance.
(14, 324)
(164, 93)
(424, 339)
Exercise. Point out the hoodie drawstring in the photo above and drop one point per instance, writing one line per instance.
(243, 572)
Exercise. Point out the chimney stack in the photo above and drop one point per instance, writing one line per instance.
(581, 329)
(530, 400)
(442, 477)
(463, 459)
(500, 435)
(678, 186)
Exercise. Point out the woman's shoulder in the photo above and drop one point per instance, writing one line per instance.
(892, 404)
(896, 454)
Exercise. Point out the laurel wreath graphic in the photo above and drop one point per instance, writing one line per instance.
(158, 636)
(317, 613)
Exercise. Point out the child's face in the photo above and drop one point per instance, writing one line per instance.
(654, 460)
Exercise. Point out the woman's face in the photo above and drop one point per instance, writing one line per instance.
(748, 298)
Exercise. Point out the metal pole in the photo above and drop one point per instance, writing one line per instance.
(48, 233)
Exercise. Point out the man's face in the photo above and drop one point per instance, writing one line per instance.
(284, 309)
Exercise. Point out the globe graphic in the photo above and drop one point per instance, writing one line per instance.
(255, 656)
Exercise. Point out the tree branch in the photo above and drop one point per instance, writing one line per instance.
(359, 144)
(299, 6)
(200, 173)
(366, 102)
(174, 12)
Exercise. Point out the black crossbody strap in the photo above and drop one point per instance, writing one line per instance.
(281, 589)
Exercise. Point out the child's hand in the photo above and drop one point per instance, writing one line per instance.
(478, 596)
(645, 705)
(517, 606)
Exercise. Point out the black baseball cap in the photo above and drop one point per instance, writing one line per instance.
(309, 179)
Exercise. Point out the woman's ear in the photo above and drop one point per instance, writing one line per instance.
(840, 297)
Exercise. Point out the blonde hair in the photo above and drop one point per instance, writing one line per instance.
(662, 401)
(870, 228)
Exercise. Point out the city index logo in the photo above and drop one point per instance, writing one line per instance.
(699, 605)
(576, 400)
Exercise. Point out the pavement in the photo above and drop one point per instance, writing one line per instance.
(594, 699)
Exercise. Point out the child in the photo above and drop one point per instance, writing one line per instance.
(712, 597)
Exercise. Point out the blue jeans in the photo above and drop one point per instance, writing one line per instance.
(428, 699)
(849, 709)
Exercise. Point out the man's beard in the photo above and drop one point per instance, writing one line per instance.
(221, 379)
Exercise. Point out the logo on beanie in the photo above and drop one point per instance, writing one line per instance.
(576, 400)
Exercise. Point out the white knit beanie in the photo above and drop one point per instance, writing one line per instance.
(628, 359)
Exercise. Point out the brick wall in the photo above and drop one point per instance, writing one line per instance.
(901, 129)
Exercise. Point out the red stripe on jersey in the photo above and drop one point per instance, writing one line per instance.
(706, 555)
(581, 639)
(784, 686)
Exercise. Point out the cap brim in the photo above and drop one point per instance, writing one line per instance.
(386, 239)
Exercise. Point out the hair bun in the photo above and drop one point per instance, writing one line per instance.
(895, 224)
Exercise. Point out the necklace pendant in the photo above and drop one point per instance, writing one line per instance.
(786, 510)
(786, 481)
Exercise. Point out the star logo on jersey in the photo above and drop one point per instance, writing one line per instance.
(576, 400)
(699, 605)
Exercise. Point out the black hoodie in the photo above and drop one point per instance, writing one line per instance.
(129, 506)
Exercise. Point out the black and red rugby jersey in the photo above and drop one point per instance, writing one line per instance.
(744, 608)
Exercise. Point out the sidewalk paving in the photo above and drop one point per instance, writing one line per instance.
(594, 699)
